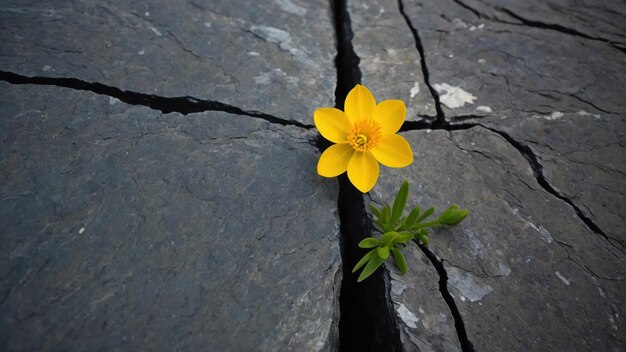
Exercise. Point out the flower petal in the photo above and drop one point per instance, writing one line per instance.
(334, 161)
(359, 104)
(393, 151)
(332, 124)
(390, 115)
(363, 171)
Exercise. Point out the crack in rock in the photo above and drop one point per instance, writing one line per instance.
(466, 345)
(367, 321)
(523, 21)
(440, 120)
(184, 105)
(535, 165)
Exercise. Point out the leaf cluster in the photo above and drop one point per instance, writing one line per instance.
(397, 230)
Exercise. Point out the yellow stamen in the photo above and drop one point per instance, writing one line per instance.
(364, 135)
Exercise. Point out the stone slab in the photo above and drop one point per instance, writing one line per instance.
(603, 20)
(127, 229)
(266, 56)
(484, 67)
(562, 95)
(525, 271)
(389, 61)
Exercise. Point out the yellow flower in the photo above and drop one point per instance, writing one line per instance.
(365, 134)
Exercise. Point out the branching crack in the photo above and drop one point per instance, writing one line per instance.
(537, 169)
(466, 345)
(536, 24)
(183, 105)
(557, 28)
(367, 320)
(440, 120)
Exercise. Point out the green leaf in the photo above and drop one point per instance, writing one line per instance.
(369, 242)
(399, 203)
(403, 237)
(374, 263)
(364, 260)
(453, 215)
(383, 252)
(411, 219)
(379, 224)
(388, 237)
(375, 211)
(398, 257)
(426, 214)
(422, 235)
(386, 213)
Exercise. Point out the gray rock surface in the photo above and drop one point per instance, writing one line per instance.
(602, 21)
(559, 94)
(390, 63)
(525, 271)
(475, 62)
(267, 56)
(127, 229)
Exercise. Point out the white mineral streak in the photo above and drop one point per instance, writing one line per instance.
(453, 97)
(156, 32)
(477, 247)
(290, 7)
(560, 276)
(483, 108)
(467, 284)
(415, 90)
(283, 39)
(545, 235)
(585, 113)
(397, 287)
(552, 116)
(407, 316)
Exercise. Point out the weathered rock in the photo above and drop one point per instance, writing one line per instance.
(483, 67)
(424, 320)
(585, 18)
(127, 229)
(265, 56)
(541, 86)
(389, 60)
(525, 271)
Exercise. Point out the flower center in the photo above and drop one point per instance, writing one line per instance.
(361, 140)
(364, 135)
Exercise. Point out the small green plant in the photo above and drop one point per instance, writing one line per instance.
(397, 230)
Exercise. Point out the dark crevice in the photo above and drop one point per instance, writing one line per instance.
(557, 28)
(367, 321)
(536, 24)
(440, 120)
(466, 345)
(474, 11)
(535, 165)
(537, 169)
(438, 123)
(183, 105)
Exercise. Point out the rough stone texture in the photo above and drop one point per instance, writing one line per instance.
(127, 229)
(560, 94)
(525, 271)
(424, 320)
(509, 67)
(266, 55)
(390, 63)
(603, 21)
